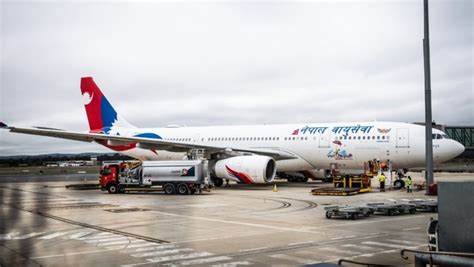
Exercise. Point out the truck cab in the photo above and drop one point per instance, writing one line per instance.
(109, 176)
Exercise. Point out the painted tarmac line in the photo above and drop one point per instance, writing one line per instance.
(292, 258)
(96, 237)
(373, 221)
(216, 238)
(360, 247)
(180, 257)
(301, 243)
(383, 244)
(372, 254)
(411, 229)
(143, 244)
(252, 249)
(232, 264)
(340, 251)
(98, 234)
(171, 258)
(161, 252)
(70, 254)
(401, 241)
(80, 234)
(54, 235)
(203, 261)
(147, 248)
(237, 222)
(113, 243)
(15, 236)
(117, 238)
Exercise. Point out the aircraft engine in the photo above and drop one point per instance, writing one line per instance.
(246, 169)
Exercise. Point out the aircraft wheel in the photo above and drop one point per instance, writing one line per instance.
(169, 189)
(399, 184)
(112, 188)
(183, 189)
(218, 182)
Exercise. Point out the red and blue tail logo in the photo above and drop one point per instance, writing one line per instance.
(100, 113)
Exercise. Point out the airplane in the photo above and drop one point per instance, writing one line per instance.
(254, 153)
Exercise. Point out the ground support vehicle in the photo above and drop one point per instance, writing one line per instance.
(176, 177)
(425, 205)
(393, 208)
(345, 186)
(348, 212)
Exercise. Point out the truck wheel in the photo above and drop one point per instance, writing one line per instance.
(328, 214)
(112, 188)
(121, 189)
(183, 189)
(399, 184)
(169, 189)
(305, 179)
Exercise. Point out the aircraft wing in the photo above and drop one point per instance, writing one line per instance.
(148, 143)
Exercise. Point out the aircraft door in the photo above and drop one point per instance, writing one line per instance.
(196, 138)
(324, 140)
(403, 140)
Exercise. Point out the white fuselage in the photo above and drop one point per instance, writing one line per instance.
(315, 145)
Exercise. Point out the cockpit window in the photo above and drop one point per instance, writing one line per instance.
(445, 136)
(437, 136)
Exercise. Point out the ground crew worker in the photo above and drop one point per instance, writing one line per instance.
(382, 182)
(408, 184)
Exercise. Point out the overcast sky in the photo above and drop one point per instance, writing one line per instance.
(231, 63)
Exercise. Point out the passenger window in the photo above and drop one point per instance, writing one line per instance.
(358, 137)
(383, 137)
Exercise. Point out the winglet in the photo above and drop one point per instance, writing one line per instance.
(3, 125)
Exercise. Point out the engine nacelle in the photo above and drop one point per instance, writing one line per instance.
(246, 169)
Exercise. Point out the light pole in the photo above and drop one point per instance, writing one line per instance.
(428, 119)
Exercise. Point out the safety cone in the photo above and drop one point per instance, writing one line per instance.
(275, 189)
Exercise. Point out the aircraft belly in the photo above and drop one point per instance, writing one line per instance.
(293, 165)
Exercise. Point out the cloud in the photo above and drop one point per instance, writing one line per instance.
(230, 63)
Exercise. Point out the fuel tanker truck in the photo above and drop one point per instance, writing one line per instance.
(176, 177)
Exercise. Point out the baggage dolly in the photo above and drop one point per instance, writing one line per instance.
(348, 212)
(425, 205)
(393, 208)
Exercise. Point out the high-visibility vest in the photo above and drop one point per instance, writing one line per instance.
(408, 182)
(381, 178)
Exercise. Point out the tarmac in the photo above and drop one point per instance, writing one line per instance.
(43, 223)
